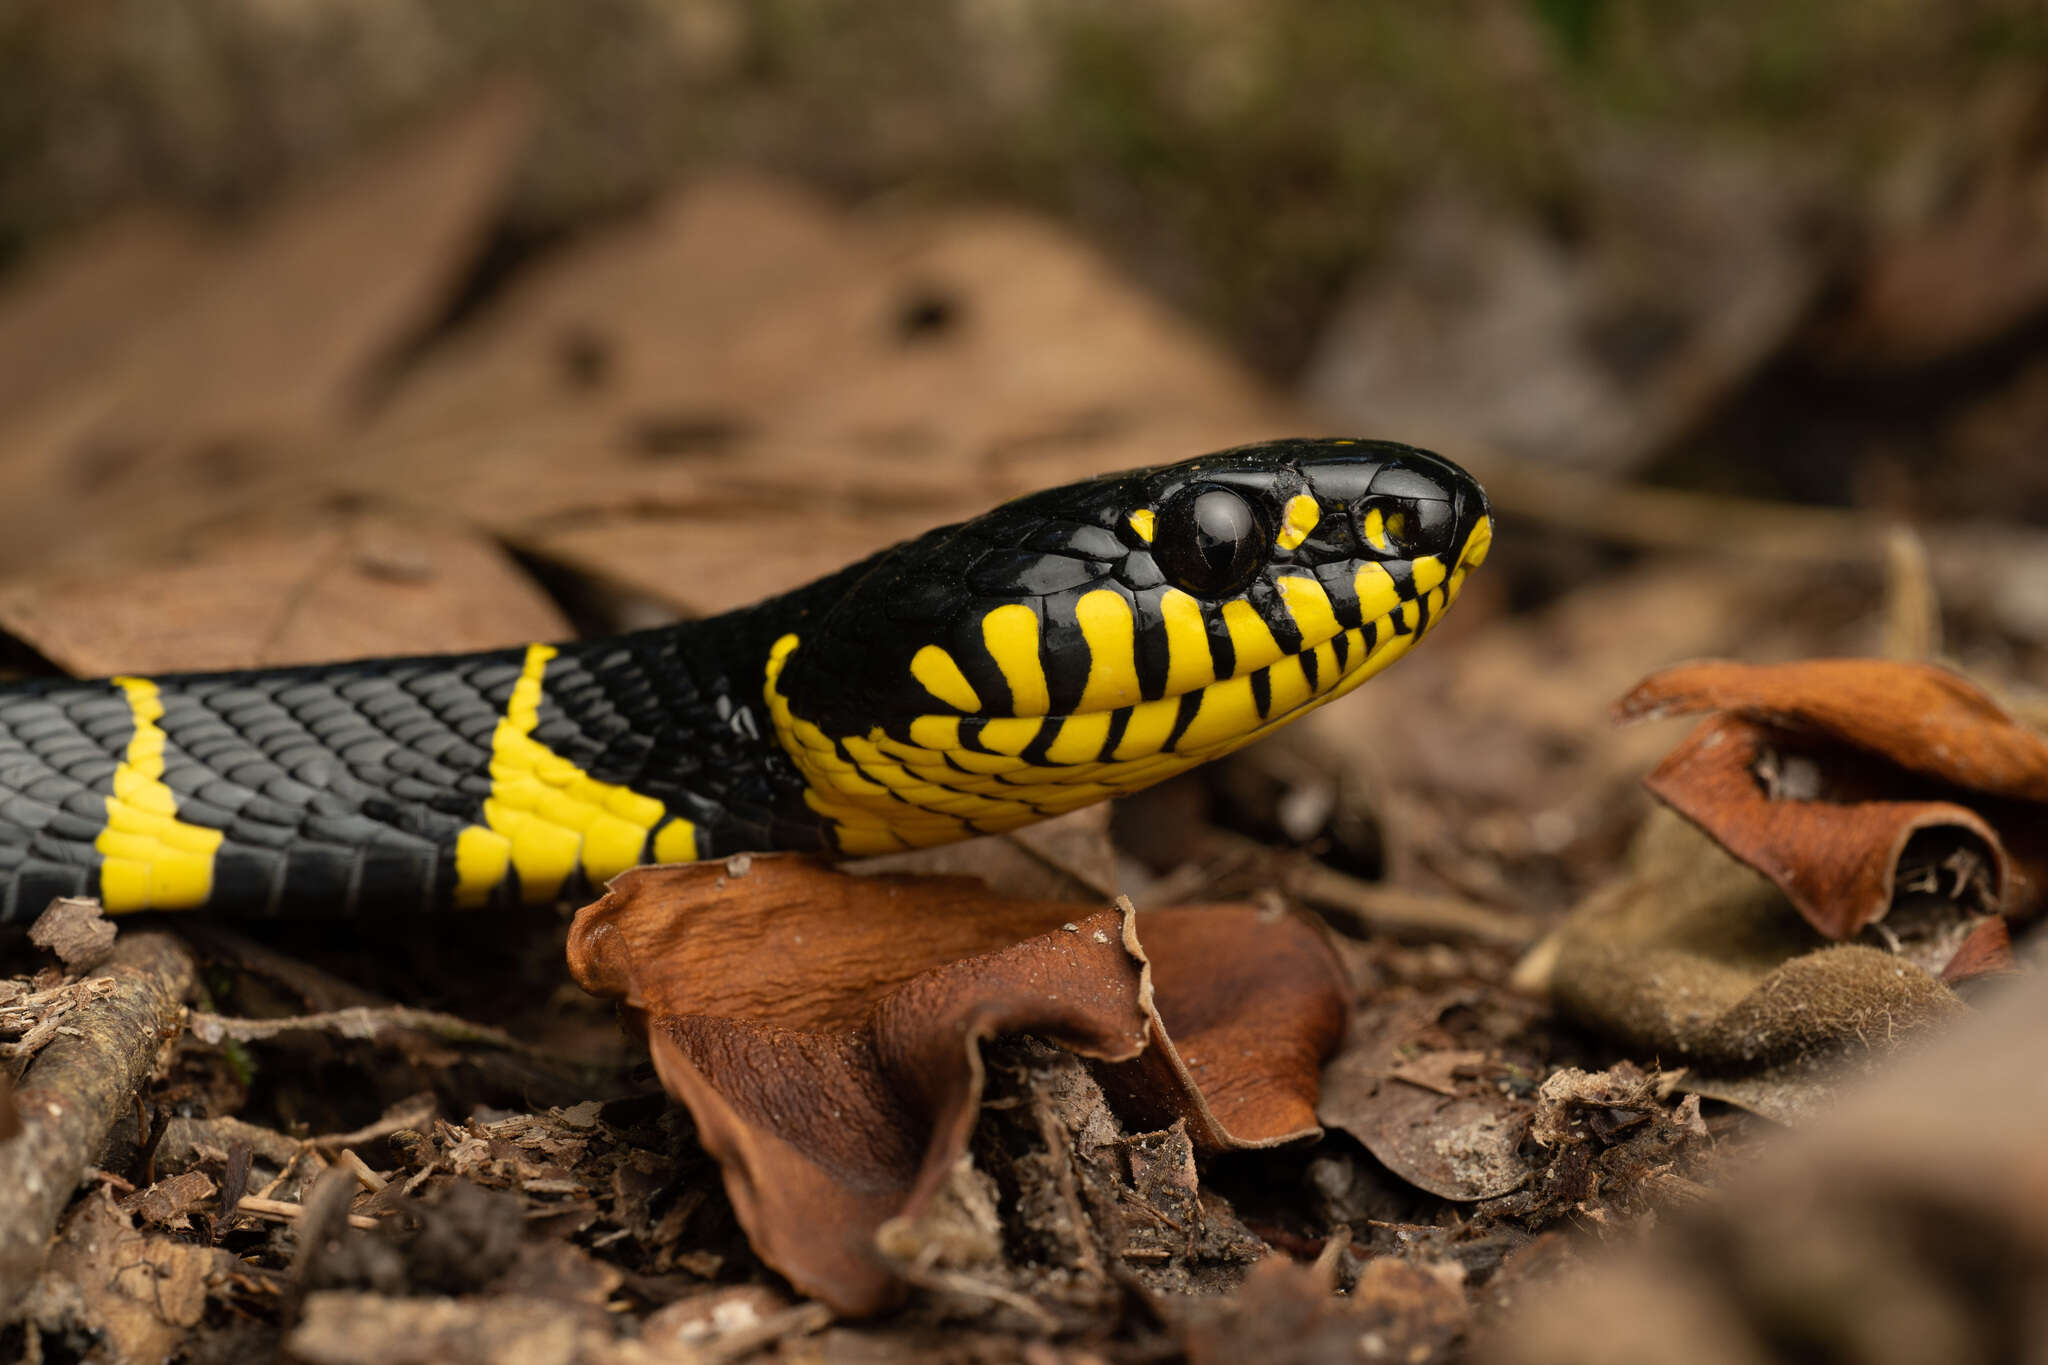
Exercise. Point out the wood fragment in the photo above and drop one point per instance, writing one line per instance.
(185, 1140)
(365, 1177)
(84, 1079)
(288, 1212)
(1912, 606)
(393, 1024)
(416, 1113)
(800, 1320)
(1389, 910)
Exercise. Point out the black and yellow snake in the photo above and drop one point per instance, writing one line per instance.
(1065, 647)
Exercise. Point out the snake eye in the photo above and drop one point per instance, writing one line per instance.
(1210, 540)
(1404, 528)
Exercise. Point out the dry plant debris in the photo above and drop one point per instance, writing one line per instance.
(1821, 774)
(825, 1032)
(349, 1152)
(1897, 813)
(1904, 1227)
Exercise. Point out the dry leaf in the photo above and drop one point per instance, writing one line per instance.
(339, 587)
(1249, 1007)
(1456, 1136)
(1835, 856)
(1923, 718)
(747, 375)
(1286, 1314)
(70, 313)
(825, 1031)
(1905, 1225)
(266, 353)
(1825, 770)
(1694, 959)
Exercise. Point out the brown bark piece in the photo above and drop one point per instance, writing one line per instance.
(74, 928)
(139, 1294)
(80, 1083)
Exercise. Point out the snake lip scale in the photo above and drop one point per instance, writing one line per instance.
(1063, 648)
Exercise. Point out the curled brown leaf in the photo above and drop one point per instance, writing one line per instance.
(1825, 774)
(824, 1030)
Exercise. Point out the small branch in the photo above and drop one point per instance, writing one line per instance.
(85, 1078)
(357, 1167)
(291, 1213)
(393, 1023)
(1387, 910)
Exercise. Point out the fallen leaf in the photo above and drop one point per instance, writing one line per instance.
(1691, 957)
(72, 311)
(1249, 1007)
(1835, 856)
(1286, 1314)
(824, 1031)
(264, 354)
(295, 590)
(745, 374)
(1458, 1138)
(1923, 718)
(1904, 1224)
(1823, 772)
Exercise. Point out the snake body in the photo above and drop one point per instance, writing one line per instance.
(1068, 646)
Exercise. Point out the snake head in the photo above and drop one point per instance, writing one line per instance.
(1098, 637)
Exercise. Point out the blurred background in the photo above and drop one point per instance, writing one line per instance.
(343, 328)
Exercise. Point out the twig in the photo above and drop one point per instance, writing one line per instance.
(81, 1082)
(414, 1113)
(365, 1177)
(362, 1022)
(388, 1023)
(1912, 607)
(290, 1213)
(1325, 1267)
(799, 1320)
(1675, 519)
(1392, 911)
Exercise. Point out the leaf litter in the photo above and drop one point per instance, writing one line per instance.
(400, 1140)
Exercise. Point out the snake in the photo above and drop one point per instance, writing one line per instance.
(1071, 645)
